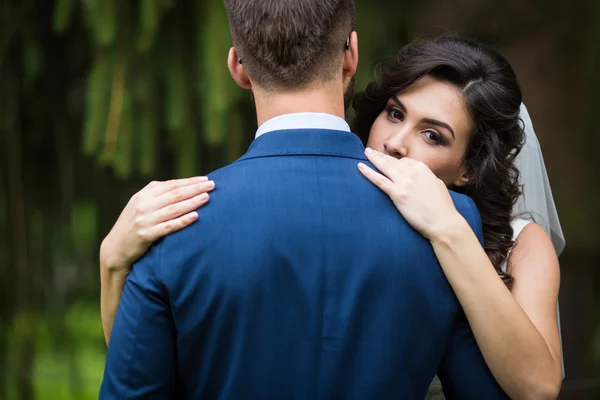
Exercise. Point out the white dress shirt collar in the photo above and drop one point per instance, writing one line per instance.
(305, 120)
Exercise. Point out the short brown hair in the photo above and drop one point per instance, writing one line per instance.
(287, 44)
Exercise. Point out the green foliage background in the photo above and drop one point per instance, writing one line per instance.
(98, 97)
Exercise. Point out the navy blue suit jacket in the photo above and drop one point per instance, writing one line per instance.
(300, 281)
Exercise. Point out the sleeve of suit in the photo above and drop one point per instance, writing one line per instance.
(463, 371)
(141, 360)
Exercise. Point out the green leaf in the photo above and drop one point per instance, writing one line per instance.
(32, 59)
(176, 101)
(63, 11)
(149, 16)
(214, 87)
(84, 225)
(96, 104)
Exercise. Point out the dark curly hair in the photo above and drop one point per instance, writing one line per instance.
(492, 97)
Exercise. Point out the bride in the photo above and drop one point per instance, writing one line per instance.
(515, 324)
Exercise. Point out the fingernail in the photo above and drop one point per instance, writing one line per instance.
(210, 184)
(369, 150)
(203, 196)
(201, 178)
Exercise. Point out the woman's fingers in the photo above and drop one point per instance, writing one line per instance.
(180, 194)
(157, 231)
(179, 208)
(157, 188)
(379, 180)
(151, 210)
(389, 166)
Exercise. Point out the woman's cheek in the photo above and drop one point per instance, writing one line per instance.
(376, 140)
(435, 164)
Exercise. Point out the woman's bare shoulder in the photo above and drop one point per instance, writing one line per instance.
(533, 249)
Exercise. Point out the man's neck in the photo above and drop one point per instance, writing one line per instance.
(324, 99)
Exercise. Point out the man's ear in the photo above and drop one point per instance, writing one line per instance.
(463, 178)
(351, 56)
(237, 70)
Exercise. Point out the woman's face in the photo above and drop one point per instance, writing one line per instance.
(429, 123)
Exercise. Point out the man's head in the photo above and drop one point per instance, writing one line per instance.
(290, 44)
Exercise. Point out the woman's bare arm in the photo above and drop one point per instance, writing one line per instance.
(517, 332)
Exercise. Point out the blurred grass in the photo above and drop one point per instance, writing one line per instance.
(57, 373)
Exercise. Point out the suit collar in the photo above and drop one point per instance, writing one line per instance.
(316, 142)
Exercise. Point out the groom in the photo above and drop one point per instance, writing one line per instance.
(301, 280)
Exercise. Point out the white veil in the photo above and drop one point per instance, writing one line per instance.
(536, 202)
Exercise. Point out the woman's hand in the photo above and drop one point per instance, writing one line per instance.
(158, 209)
(422, 198)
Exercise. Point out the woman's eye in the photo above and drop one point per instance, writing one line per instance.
(395, 114)
(433, 137)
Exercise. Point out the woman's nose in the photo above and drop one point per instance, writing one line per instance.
(396, 145)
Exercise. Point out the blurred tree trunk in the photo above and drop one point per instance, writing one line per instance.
(20, 262)
(6, 275)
